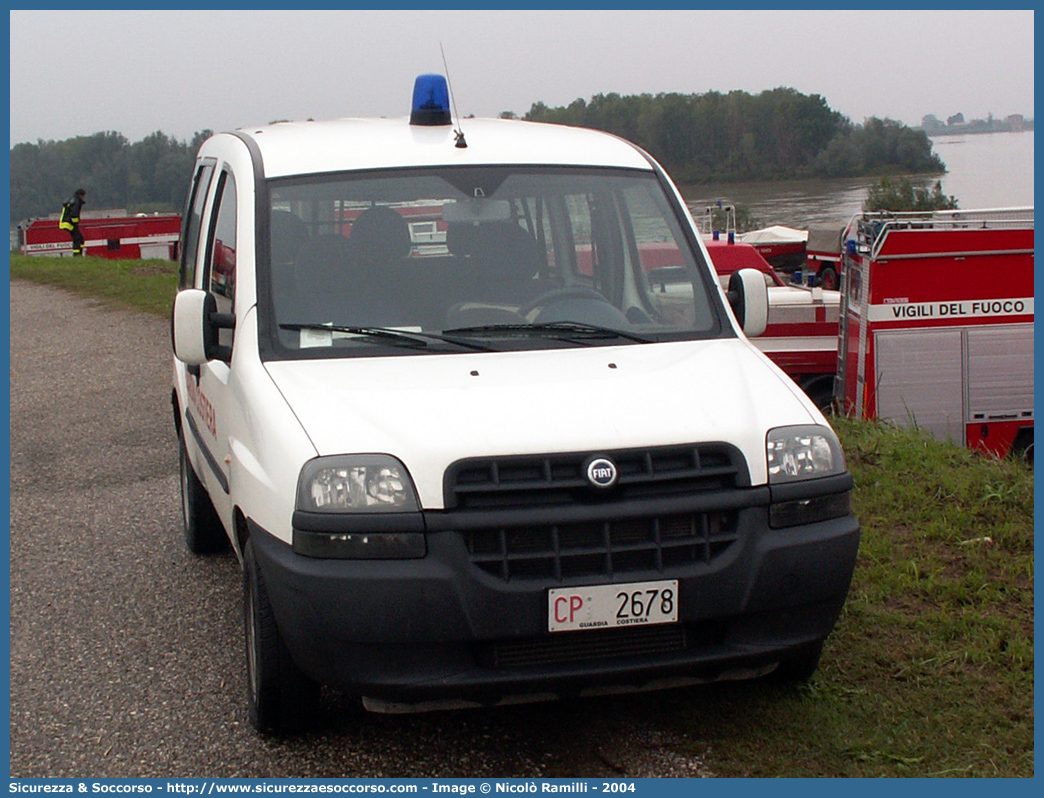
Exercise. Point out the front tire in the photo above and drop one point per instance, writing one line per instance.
(280, 698)
(204, 533)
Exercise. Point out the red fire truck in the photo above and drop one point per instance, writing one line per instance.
(937, 325)
(105, 236)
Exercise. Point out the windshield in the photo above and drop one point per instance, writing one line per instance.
(467, 259)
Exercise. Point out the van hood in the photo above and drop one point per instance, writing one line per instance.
(431, 410)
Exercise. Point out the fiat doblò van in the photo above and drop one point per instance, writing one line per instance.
(472, 409)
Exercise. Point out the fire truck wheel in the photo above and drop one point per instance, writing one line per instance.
(821, 392)
(1027, 455)
(204, 533)
(799, 667)
(828, 278)
(280, 699)
(1022, 448)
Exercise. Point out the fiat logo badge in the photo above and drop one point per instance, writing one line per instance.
(601, 472)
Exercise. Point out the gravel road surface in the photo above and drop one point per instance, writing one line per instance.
(126, 650)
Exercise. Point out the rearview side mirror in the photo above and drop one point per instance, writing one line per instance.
(748, 296)
(195, 324)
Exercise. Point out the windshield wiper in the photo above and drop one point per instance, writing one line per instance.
(574, 330)
(418, 340)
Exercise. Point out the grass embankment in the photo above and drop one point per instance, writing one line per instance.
(930, 669)
(147, 285)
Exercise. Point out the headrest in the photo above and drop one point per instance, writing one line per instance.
(287, 232)
(506, 244)
(518, 249)
(322, 262)
(379, 234)
(462, 238)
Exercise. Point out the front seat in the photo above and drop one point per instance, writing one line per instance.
(322, 280)
(287, 234)
(378, 263)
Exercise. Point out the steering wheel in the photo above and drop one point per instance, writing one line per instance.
(559, 295)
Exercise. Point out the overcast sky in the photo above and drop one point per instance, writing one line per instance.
(135, 72)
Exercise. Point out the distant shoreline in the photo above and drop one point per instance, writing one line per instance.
(975, 130)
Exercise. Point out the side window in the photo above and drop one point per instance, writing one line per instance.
(662, 268)
(221, 247)
(596, 236)
(538, 223)
(656, 242)
(580, 223)
(193, 220)
(220, 275)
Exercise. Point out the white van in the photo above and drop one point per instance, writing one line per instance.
(494, 461)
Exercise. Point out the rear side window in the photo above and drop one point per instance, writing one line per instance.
(192, 224)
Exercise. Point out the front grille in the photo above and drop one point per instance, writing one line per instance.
(610, 547)
(619, 541)
(493, 483)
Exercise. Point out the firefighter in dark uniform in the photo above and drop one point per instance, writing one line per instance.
(71, 219)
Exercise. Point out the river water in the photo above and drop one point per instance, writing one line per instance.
(986, 170)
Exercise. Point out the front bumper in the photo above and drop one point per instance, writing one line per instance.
(417, 630)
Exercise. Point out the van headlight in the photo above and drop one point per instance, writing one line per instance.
(796, 456)
(808, 452)
(357, 507)
(362, 483)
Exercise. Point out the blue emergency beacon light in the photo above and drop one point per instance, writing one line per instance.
(431, 104)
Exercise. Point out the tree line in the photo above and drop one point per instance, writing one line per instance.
(777, 134)
(146, 176)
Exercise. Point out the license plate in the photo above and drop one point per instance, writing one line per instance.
(611, 606)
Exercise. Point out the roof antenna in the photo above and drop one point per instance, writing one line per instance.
(460, 142)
